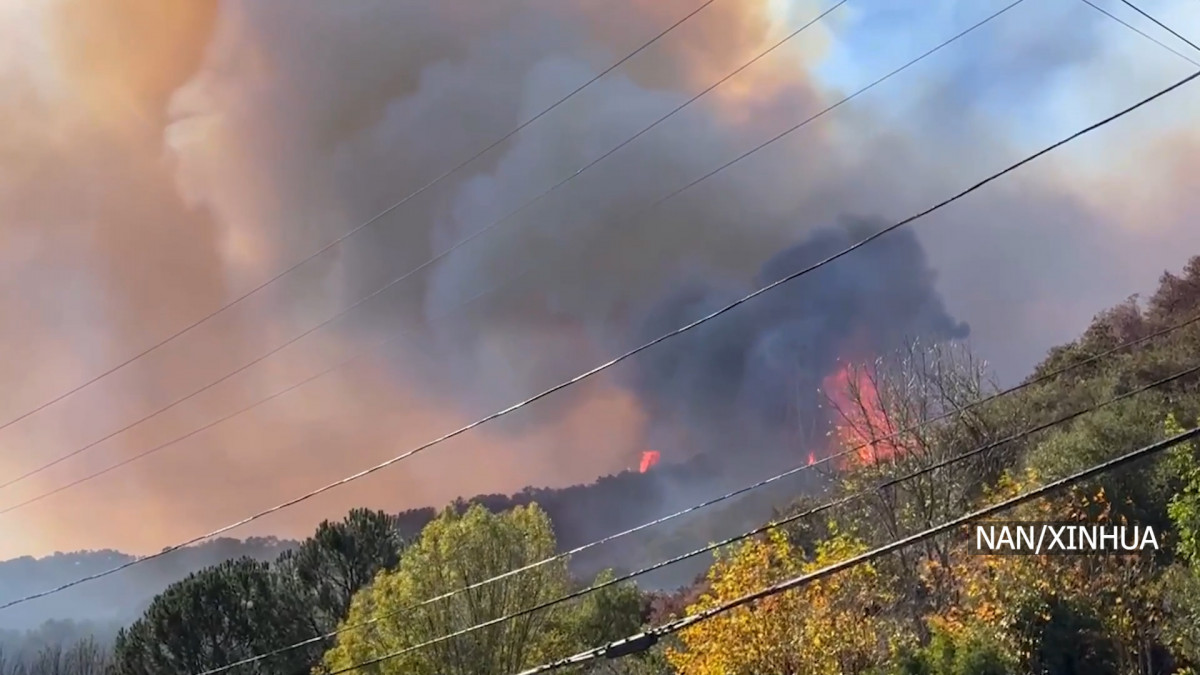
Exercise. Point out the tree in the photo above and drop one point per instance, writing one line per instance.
(890, 411)
(78, 645)
(339, 559)
(83, 657)
(1181, 625)
(651, 662)
(1177, 296)
(1181, 583)
(454, 551)
(1060, 614)
(1184, 508)
(219, 615)
(607, 614)
(946, 654)
(1140, 493)
(830, 627)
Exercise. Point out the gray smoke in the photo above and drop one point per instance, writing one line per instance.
(292, 121)
(756, 371)
(567, 282)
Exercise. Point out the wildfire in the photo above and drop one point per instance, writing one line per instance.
(649, 459)
(861, 417)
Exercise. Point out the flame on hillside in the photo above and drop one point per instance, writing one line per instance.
(860, 421)
(649, 459)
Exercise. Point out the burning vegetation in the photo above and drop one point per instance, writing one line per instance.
(649, 459)
(861, 421)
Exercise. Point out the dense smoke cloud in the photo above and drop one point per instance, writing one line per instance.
(240, 137)
(756, 379)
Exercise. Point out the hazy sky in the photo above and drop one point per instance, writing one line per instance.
(158, 160)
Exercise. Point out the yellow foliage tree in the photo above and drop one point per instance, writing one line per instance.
(455, 551)
(996, 593)
(830, 627)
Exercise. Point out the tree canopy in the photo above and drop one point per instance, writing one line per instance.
(935, 609)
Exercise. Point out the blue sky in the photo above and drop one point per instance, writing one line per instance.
(1032, 81)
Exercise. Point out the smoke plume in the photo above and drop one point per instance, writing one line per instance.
(753, 381)
(159, 161)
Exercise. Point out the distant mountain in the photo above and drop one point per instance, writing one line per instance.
(580, 513)
(117, 598)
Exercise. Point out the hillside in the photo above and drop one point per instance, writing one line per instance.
(1168, 341)
(115, 598)
(580, 513)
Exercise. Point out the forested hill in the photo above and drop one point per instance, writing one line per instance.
(580, 513)
(119, 596)
(1166, 495)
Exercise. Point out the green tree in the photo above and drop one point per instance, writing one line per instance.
(1181, 625)
(339, 559)
(961, 654)
(610, 613)
(454, 551)
(1181, 583)
(1060, 635)
(1184, 508)
(1140, 493)
(216, 616)
(651, 662)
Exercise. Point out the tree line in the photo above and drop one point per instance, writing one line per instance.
(935, 608)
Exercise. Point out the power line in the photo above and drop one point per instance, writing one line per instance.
(367, 223)
(787, 132)
(733, 73)
(760, 530)
(354, 357)
(808, 120)
(647, 639)
(437, 258)
(1141, 32)
(461, 243)
(727, 77)
(1160, 24)
(715, 500)
(633, 352)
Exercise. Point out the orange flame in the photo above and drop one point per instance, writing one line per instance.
(649, 459)
(862, 419)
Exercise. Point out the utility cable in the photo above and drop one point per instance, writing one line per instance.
(646, 639)
(645, 130)
(542, 195)
(1141, 32)
(353, 231)
(764, 528)
(1051, 375)
(1160, 24)
(629, 354)
(344, 363)
(437, 258)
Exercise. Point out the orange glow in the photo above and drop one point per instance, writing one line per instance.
(812, 458)
(862, 421)
(721, 39)
(649, 459)
(124, 58)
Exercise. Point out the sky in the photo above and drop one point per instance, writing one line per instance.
(158, 161)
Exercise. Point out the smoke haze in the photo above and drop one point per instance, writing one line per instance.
(161, 159)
